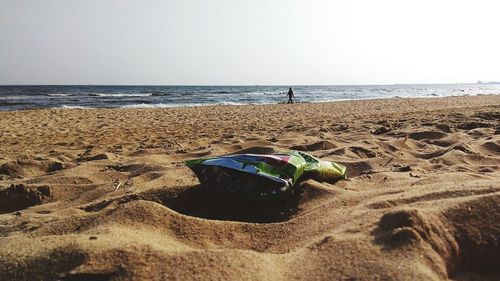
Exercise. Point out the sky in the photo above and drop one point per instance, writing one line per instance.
(241, 42)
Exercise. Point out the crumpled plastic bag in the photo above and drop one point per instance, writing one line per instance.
(262, 176)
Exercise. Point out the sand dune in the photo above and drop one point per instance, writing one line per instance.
(422, 201)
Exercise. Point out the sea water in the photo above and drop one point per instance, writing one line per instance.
(88, 96)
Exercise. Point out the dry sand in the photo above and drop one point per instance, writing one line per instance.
(422, 209)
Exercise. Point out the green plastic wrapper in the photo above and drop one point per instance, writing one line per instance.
(262, 176)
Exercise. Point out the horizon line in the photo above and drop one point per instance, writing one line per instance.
(246, 85)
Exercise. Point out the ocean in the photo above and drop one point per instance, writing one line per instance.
(88, 96)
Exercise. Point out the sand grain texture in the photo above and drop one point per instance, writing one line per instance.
(421, 202)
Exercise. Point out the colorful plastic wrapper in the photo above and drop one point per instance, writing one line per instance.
(256, 176)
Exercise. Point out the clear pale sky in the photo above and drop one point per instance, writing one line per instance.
(220, 42)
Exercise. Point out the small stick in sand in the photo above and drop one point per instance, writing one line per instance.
(117, 185)
(128, 185)
(399, 151)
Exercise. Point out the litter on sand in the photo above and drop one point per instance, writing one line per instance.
(259, 176)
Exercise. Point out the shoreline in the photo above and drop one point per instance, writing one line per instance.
(173, 106)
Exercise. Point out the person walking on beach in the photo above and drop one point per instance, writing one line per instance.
(290, 95)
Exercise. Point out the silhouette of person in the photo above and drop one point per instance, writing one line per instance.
(290, 95)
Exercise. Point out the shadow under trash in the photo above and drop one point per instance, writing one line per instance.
(203, 202)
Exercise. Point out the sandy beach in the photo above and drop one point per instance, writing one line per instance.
(421, 202)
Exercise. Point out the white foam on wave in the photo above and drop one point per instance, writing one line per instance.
(73, 107)
(264, 93)
(59, 95)
(14, 97)
(229, 103)
(122, 95)
(157, 105)
(170, 105)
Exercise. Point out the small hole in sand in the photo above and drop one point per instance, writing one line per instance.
(201, 201)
